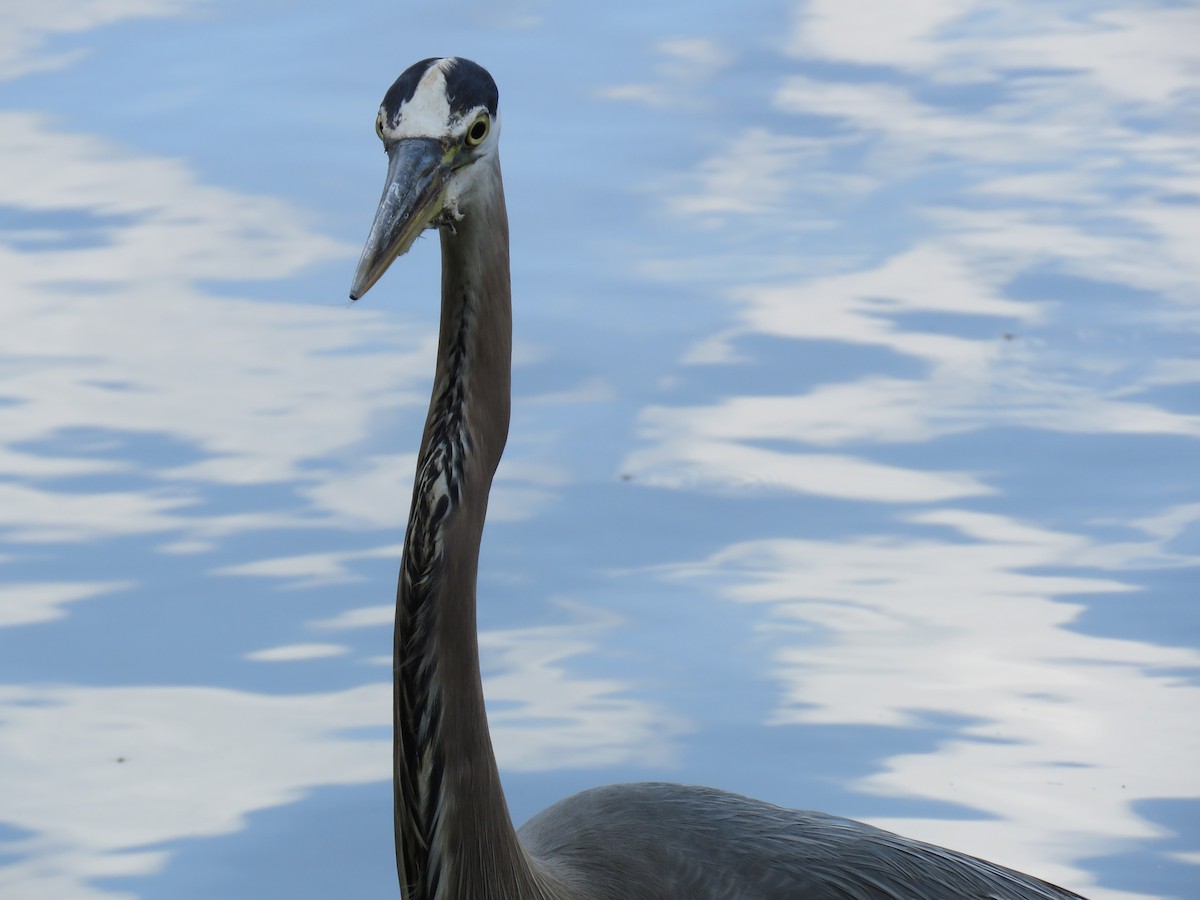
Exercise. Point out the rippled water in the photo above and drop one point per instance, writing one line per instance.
(853, 461)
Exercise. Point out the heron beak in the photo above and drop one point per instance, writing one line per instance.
(412, 197)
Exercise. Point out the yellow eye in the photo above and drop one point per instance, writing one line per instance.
(478, 131)
(379, 125)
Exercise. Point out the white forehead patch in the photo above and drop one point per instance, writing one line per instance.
(427, 114)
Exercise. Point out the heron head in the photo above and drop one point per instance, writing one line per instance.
(437, 120)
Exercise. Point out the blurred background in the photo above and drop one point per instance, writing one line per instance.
(854, 451)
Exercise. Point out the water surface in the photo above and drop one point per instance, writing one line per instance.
(853, 451)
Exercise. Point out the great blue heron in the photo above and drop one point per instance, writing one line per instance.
(440, 124)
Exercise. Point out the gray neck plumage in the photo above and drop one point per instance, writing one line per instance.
(454, 836)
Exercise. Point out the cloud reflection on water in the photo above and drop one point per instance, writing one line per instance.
(1053, 196)
(100, 780)
(885, 630)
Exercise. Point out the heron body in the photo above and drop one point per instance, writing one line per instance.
(455, 840)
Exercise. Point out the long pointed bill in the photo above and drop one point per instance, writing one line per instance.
(412, 196)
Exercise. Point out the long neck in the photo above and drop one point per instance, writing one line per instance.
(454, 836)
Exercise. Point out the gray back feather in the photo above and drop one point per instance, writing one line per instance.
(662, 841)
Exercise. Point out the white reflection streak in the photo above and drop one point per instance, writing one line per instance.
(297, 652)
(26, 25)
(755, 175)
(24, 604)
(551, 719)
(685, 462)
(311, 569)
(683, 63)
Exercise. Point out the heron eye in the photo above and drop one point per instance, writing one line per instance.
(379, 126)
(478, 131)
